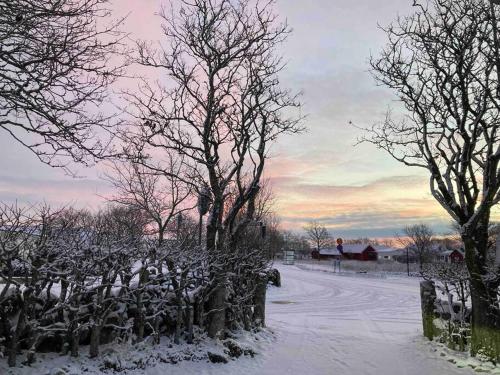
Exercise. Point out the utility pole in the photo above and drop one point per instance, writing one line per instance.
(407, 261)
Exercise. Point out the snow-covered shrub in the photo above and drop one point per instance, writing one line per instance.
(452, 310)
(70, 278)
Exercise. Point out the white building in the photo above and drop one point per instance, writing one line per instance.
(389, 253)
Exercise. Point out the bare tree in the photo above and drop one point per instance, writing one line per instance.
(264, 232)
(452, 280)
(226, 106)
(318, 235)
(160, 193)
(274, 239)
(55, 68)
(443, 63)
(419, 238)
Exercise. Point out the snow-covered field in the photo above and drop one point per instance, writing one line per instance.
(332, 324)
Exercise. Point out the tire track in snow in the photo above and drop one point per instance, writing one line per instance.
(348, 325)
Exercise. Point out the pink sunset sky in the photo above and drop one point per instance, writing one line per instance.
(320, 175)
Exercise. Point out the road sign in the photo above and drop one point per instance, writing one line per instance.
(289, 257)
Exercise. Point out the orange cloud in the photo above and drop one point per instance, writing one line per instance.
(386, 203)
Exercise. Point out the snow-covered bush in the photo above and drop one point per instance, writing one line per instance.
(71, 278)
(452, 310)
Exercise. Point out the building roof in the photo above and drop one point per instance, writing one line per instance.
(355, 248)
(329, 252)
(389, 251)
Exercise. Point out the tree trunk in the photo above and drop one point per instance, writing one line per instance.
(217, 299)
(259, 312)
(95, 335)
(62, 296)
(140, 317)
(180, 306)
(198, 311)
(247, 317)
(143, 280)
(75, 343)
(21, 323)
(14, 342)
(73, 332)
(178, 323)
(156, 335)
(189, 323)
(217, 310)
(13, 347)
(33, 343)
(485, 320)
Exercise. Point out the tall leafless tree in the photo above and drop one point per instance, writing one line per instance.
(224, 108)
(55, 69)
(318, 235)
(443, 63)
(419, 238)
(160, 193)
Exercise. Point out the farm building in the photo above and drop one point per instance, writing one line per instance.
(325, 254)
(451, 256)
(363, 252)
(389, 253)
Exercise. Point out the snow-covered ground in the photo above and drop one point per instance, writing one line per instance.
(333, 324)
(348, 325)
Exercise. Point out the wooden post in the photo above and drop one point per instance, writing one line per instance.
(259, 311)
(427, 300)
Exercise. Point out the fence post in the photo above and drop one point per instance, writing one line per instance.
(259, 312)
(427, 300)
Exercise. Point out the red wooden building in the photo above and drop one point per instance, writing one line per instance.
(452, 256)
(362, 252)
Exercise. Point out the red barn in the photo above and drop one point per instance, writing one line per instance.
(452, 256)
(362, 252)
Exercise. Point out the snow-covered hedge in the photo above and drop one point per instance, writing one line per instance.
(72, 278)
(449, 322)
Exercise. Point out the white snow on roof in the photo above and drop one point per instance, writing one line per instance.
(329, 252)
(389, 251)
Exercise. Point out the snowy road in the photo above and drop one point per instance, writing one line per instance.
(342, 325)
(349, 325)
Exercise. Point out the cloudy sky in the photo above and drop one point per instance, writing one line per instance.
(321, 175)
